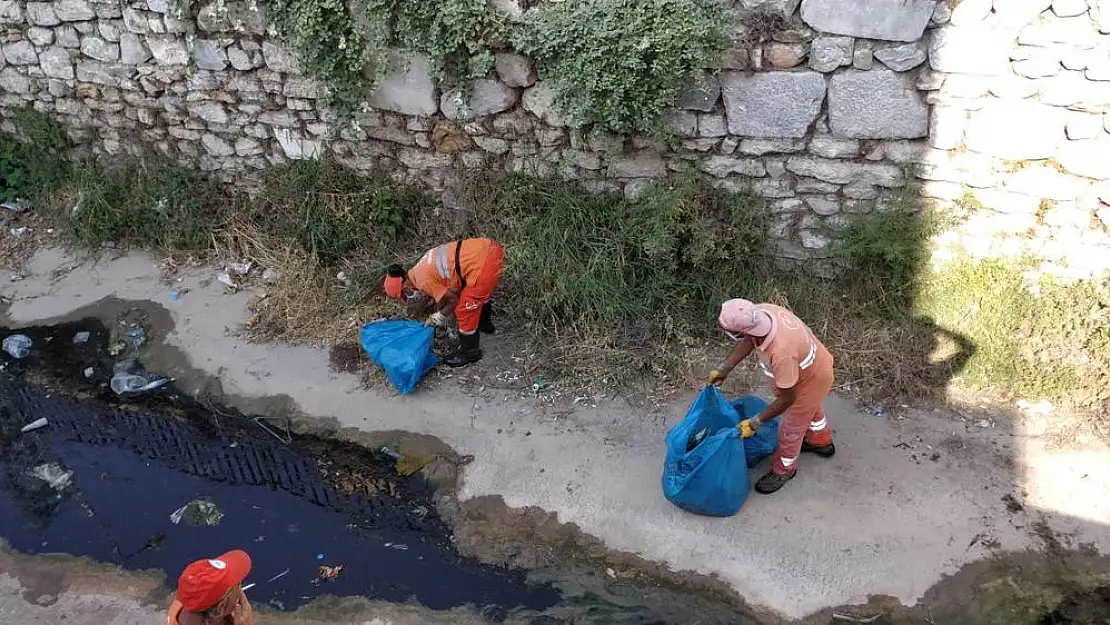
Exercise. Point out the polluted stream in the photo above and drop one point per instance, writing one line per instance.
(157, 478)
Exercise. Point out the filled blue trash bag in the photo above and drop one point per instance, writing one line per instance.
(766, 438)
(403, 349)
(710, 479)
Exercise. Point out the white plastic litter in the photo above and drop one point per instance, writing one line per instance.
(17, 345)
(34, 425)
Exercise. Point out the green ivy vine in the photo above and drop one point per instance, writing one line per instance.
(617, 65)
(614, 65)
(344, 44)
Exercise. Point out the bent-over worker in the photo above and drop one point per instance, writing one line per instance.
(460, 277)
(210, 592)
(800, 372)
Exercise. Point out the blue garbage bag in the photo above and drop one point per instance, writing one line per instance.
(766, 438)
(711, 478)
(403, 349)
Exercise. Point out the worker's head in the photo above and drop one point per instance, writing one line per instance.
(212, 588)
(740, 318)
(396, 282)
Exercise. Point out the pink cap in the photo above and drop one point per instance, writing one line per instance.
(740, 315)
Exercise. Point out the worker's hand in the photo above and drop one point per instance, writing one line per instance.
(716, 376)
(748, 427)
(437, 319)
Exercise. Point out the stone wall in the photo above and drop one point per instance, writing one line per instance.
(998, 105)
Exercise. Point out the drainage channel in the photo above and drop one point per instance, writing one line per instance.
(161, 479)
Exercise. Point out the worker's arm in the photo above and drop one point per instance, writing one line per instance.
(785, 398)
(739, 352)
(736, 355)
(448, 302)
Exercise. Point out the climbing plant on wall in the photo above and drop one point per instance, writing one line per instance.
(344, 44)
(614, 65)
(618, 65)
(344, 49)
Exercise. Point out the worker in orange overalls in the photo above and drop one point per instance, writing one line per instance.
(800, 372)
(460, 277)
(210, 592)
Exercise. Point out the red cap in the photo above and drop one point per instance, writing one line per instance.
(394, 287)
(205, 582)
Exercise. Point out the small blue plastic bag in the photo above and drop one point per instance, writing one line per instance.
(705, 471)
(403, 349)
(766, 439)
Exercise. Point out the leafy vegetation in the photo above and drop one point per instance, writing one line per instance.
(639, 281)
(32, 162)
(617, 65)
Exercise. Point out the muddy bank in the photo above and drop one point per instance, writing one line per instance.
(107, 476)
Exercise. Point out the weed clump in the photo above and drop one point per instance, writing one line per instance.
(33, 161)
(145, 205)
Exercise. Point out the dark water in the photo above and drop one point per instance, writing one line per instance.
(295, 505)
(131, 470)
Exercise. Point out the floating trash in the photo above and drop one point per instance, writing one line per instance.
(17, 345)
(225, 278)
(198, 512)
(34, 425)
(53, 474)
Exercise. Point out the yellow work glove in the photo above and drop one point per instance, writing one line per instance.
(715, 377)
(437, 319)
(748, 427)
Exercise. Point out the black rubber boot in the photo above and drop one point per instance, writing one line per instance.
(469, 351)
(825, 451)
(485, 322)
(772, 482)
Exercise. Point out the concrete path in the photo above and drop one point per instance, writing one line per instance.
(907, 499)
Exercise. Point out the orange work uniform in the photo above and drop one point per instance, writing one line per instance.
(791, 356)
(473, 266)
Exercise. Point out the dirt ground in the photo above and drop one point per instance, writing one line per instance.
(913, 498)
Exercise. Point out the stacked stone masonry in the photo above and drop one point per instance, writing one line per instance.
(1003, 105)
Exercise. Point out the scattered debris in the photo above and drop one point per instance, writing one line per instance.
(129, 377)
(173, 296)
(16, 206)
(53, 474)
(241, 268)
(135, 335)
(198, 512)
(538, 384)
(985, 423)
(19, 232)
(278, 576)
(34, 425)
(225, 278)
(89, 372)
(1013, 506)
(327, 574)
(269, 275)
(392, 453)
(81, 338)
(287, 438)
(879, 410)
(17, 345)
(397, 546)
